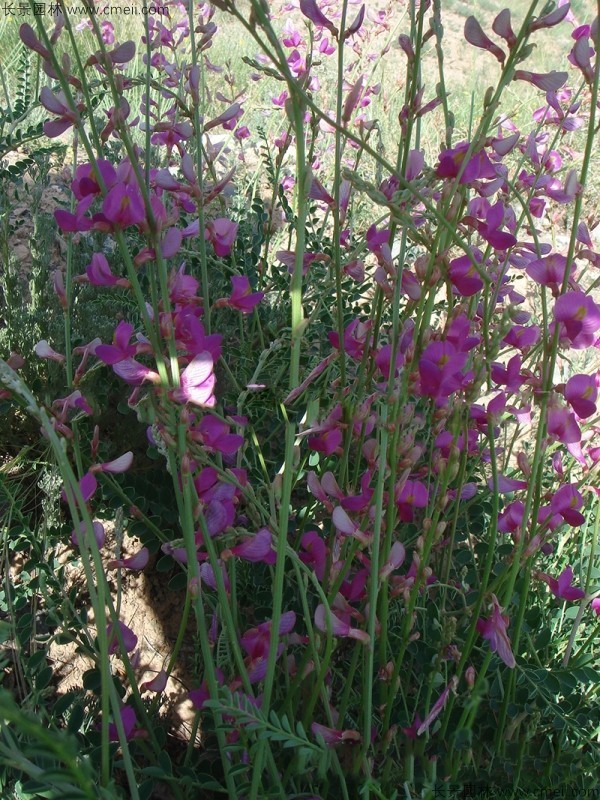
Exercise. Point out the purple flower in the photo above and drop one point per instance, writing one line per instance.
(494, 630)
(197, 382)
(478, 166)
(311, 10)
(242, 297)
(221, 233)
(562, 588)
(332, 737)
(464, 277)
(547, 82)
(57, 104)
(130, 640)
(257, 548)
(137, 562)
(437, 706)
(579, 316)
(474, 35)
(581, 393)
(120, 350)
(123, 206)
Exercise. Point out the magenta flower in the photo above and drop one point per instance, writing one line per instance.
(98, 273)
(120, 349)
(477, 167)
(99, 534)
(464, 277)
(130, 640)
(215, 436)
(311, 10)
(562, 425)
(547, 82)
(221, 233)
(256, 643)
(581, 392)
(567, 501)
(134, 373)
(595, 606)
(136, 562)
(197, 383)
(333, 737)
(438, 706)
(411, 495)
(549, 271)
(123, 206)
(257, 548)
(440, 372)
(87, 178)
(314, 553)
(129, 720)
(579, 316)
(242, 297)
(475, 35)
(494, 630)
(339, 626)
(523, 336)
(57, 104)
(562, 587)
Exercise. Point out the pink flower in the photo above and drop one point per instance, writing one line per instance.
(547, 82)
(197, 382)
(137, 562)
(129, 720)
(311, 10)
(57, 104)
(562, 588)
(494, 630)
(257, 548)
(333, 737)
(474, 35)
(242, 298)
(464, 277)
(562, 425)
(123, 206)
(477, 167)
(120, 349)
(98, 273)
(581, 393)
(579, 316)
(595, 606)
(339, 627)
(157, 684)
(43, 350)
(98, 529)
(215, 436)
(437, 706)
(87, 486)
(130, 640)
(256, 643)
(221, 233)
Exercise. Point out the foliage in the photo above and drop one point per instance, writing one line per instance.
(336, 376)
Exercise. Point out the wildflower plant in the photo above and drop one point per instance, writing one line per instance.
(377, 479)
